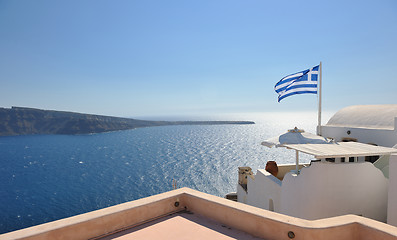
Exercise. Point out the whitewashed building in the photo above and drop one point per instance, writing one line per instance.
(343, 178)
(373, 124)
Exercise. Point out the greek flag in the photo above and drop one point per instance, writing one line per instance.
(298, 83)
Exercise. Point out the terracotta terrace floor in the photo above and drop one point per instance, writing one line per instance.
(184, 225)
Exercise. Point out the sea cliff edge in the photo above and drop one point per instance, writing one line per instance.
(30, 121)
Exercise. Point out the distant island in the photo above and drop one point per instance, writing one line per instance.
(28, 121)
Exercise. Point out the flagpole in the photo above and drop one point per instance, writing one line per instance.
(319, 87)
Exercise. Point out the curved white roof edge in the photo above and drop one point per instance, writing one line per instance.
(365, 116)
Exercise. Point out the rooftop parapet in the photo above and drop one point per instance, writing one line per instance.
(251, 220)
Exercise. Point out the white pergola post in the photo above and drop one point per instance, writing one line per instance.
(297, 161)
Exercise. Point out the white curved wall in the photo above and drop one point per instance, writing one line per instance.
(366, 116)
(328, 189)
(263, 188)
(381, 137)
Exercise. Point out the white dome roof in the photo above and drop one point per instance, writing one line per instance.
(365, 116)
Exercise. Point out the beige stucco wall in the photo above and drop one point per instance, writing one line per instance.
(252, 220)
(271, 225)
(286, 168)
(102, 221)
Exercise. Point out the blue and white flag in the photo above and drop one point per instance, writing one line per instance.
(298, 83)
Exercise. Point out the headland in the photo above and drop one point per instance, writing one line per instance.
(29, 121)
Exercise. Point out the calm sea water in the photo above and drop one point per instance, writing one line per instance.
(49, 177)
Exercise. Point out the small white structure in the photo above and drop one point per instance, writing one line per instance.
(374, 124)
(339, 181)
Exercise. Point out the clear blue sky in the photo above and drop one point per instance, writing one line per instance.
(141, 58)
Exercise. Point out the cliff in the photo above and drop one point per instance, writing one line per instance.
(26, 121)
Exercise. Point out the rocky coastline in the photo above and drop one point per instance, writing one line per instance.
(29, 121)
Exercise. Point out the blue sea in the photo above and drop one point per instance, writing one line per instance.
(48, 177)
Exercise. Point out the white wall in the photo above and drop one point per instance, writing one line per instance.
(392, 198)
(263, 188)
(328, 189)
(381, 137)
(241, 194)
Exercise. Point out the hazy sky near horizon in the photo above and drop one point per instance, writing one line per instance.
(162, 58)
